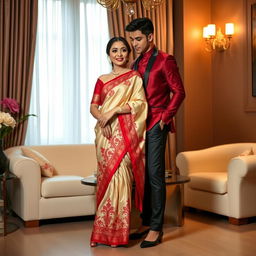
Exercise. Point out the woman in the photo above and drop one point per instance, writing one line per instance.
(120, 140)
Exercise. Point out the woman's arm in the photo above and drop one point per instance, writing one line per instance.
(104, 118)
(106, 131)
(94, 110)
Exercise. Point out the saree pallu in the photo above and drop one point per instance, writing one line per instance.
(121, 159)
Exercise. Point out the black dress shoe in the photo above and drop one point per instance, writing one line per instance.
(146, 243)
(136, 235)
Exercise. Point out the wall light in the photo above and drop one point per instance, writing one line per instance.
(218, 41)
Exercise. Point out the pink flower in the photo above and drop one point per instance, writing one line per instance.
(11, 104)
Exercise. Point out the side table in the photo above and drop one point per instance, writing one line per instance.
(5, 227)
(90, 181)
(178, 181)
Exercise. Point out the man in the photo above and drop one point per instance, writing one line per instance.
(161, 77)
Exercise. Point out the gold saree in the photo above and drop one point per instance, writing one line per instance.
(121, 158)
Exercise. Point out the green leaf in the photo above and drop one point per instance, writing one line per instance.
(24, 118)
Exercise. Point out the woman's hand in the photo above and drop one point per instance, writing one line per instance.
(104, 118)
(106, 131)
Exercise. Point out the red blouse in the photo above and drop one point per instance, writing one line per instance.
(96, 98)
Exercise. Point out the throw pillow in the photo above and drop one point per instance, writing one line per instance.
(46, 168)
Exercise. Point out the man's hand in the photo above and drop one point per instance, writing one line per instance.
(106, 131)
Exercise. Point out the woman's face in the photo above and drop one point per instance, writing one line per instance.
(118, 54)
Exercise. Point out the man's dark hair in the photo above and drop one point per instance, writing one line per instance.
(144, 25)
(117, 39)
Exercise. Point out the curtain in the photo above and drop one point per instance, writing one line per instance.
(70, 55)
(18, 24)
(163, 24)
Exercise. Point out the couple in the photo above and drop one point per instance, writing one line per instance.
(135, 113)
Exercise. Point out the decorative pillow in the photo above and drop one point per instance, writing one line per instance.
(247, 152)
(46, 168)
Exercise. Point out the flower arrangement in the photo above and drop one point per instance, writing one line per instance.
(9, 110)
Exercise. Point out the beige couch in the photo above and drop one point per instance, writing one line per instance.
(35, 198)
(222, 181)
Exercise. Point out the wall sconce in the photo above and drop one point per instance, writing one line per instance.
(218, 41)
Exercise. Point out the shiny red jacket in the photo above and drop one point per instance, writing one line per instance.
(164, 90)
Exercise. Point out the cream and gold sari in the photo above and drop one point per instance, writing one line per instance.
(121, 158)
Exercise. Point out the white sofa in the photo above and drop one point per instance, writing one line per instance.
(35, 198)
(222, 181)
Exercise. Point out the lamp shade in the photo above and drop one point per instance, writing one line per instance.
(229, 29)
(211, 28)
(205, 32)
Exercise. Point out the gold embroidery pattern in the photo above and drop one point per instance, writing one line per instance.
(111, 226)
(109, 158)
(110, 85)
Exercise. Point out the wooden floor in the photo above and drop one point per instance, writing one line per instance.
(202, 235)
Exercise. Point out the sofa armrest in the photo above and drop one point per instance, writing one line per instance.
(242, 186)
(213, 159)
(25, 192)
(242, 166)
(206, 160)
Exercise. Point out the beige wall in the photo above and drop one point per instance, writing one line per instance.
(214, 111)
(230, 77)
(195, 119)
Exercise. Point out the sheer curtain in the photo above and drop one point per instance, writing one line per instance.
(70, 55)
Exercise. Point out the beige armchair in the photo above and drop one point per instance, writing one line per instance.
(34, 197)
(222, 180)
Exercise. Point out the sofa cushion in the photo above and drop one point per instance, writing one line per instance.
(47, 169)
(214, 182)
(65, 185)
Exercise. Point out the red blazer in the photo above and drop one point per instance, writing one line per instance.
(164, 90)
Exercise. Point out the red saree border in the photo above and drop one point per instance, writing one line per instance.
(109, 85)
(100, 241)
(103, 187)
(112, 228)
(132, 141)
(113, 79)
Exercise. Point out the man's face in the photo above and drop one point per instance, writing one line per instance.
(140, 42)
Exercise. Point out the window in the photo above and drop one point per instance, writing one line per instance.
(70, 55)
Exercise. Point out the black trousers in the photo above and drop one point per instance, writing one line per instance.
(155, 191)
